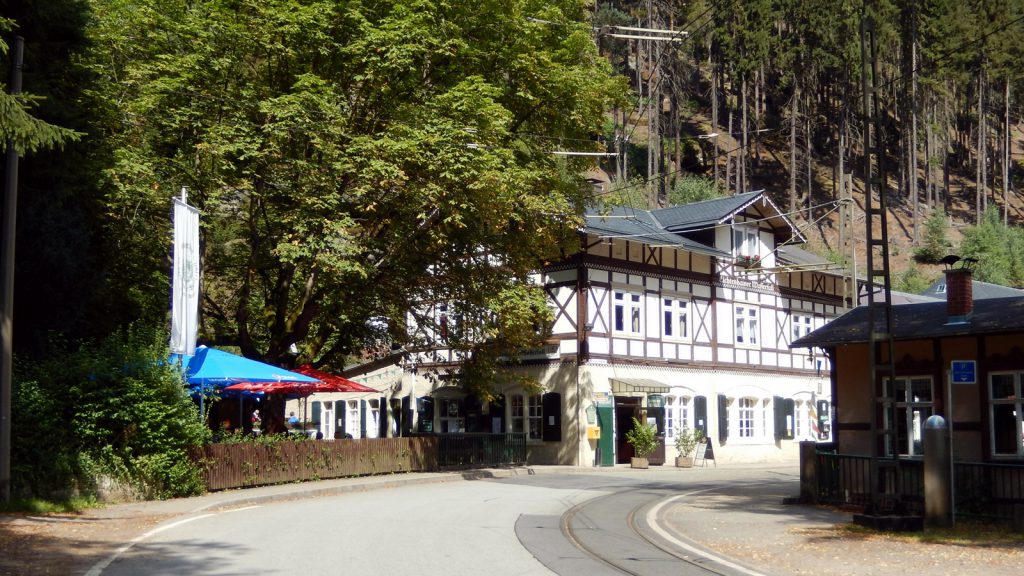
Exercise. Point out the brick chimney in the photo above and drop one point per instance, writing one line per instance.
(959, 296)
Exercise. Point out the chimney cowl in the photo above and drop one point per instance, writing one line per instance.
(959, 295)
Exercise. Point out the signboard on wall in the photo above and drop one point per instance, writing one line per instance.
(964, 372)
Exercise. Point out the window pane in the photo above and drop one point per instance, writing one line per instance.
(1004, 429)
(921, 390)
(1002, 386)
(668, 322)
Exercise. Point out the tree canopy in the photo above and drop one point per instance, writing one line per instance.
(353, 162)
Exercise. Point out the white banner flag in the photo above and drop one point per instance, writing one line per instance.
(185, 279)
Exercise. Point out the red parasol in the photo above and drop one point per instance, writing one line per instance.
(332, 382)
(298, 388)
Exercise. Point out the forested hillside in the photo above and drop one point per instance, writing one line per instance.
(780, 83)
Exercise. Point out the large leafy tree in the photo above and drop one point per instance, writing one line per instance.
(353, 162)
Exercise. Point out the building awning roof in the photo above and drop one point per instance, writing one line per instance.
(627, 386)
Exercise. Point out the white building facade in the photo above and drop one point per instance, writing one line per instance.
(680, 317)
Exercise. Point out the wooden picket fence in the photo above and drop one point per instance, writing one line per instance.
(247, 464)
(250, 464)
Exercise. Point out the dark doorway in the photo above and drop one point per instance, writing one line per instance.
(625, 409)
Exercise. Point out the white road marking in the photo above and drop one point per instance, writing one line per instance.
(652, 515)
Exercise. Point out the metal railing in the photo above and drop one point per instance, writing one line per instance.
(981, 489)
(477, 450)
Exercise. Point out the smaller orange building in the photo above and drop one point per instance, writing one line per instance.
(987, 414)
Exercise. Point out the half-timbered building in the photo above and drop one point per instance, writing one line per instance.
(682, 317)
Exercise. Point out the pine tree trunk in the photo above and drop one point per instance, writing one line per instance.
(979, 193)
(729, 161)
(715, 84)
(745, 146)
(912, 148)
(809, 156)
(792, 149)
(1006, 152)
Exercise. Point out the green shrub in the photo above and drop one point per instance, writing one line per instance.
(644, 438)
(110, 409)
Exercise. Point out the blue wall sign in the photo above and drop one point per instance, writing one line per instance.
(965, 372)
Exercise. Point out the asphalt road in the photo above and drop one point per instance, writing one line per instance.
(567, 524)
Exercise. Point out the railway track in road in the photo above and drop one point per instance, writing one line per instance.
(613, 530)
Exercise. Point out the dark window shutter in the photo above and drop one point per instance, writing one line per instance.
(723, 419)
(785, 412)
(790, 418)
(362, 418)
(425, 416)
(406, 415)
(341, 411)
(700, 414)
(824, 420)
(383, 419)
(551, 412)
(316, 414)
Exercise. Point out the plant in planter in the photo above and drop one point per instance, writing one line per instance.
(644, 439)
(686, 443)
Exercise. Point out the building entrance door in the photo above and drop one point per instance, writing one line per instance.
(625, 409)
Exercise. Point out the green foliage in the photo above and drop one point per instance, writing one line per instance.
(41, 506)
(643, 438)
(911, 280)
(687, 441)
(999, 250)
(689, 188)
(352, 161)
(936, 244)
(112, 409)
(17, 124)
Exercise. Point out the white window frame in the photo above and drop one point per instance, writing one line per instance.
(675, 313)
(450, 423)
(517, 414)
(683, 421)
(912, 410)
(373, 418)
(628, 313)
(746, 418)
(670, 420)
(1016, 402)
(748, 326)
(746, 241)
(802, 325)
(534, 417)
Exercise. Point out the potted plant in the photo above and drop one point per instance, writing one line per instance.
(644, 439)
(686, 443)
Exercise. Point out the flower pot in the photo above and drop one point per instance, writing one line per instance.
(684, 461)
(636, 462)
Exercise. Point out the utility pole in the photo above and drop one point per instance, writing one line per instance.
(885, 436)
(7, 228)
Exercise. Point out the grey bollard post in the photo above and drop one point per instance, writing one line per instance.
(938, 501)
(809, 472)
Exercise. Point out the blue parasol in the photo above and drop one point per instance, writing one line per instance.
(211, 370)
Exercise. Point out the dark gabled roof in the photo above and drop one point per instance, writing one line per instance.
(979, 290)
(921, 321)
(703, 214)
(640, 226)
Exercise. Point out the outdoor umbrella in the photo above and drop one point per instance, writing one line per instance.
(212, 368)
(215, 367)
(332, 382)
